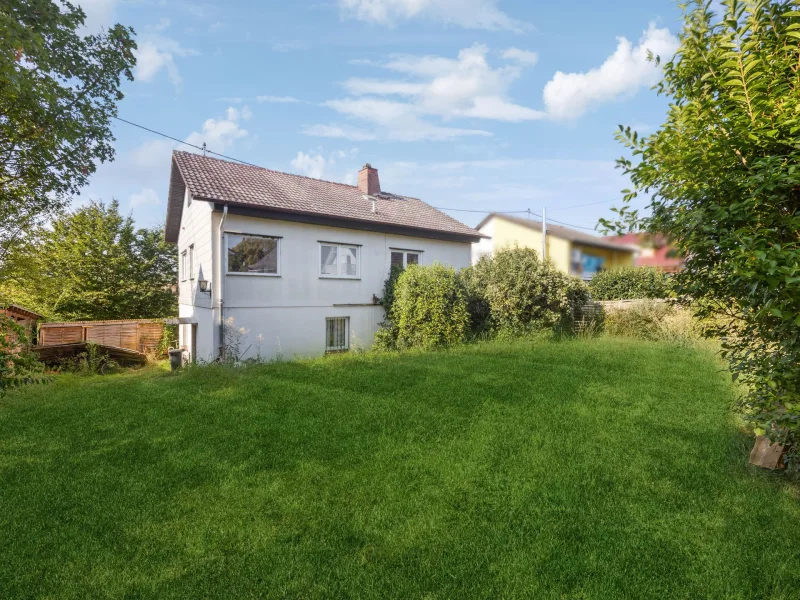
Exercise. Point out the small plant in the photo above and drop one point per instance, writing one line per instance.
(232, 342)
(93, 361)
(629, 283)
(652, 320)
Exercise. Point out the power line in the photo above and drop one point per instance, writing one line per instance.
(469, 210)
(174, 139)
(571, 225)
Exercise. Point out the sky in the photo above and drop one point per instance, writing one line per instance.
(478, 105)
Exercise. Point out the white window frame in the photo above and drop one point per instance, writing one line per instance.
(344, 348)
(405, 254)
(191, 262)
(277, 238)
(183, 265)
(357, 248)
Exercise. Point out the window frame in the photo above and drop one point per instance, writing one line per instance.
(346, 347)
(279, 243)
(183, 265)
(191, 262)
(405, 252)
(357, 248)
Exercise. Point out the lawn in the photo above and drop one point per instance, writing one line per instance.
(581, 469)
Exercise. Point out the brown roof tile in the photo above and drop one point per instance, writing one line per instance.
(223, 181)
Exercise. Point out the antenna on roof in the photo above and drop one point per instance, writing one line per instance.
(204, 149)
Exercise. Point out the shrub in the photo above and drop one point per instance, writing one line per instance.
(475, 281)
(629, 283)
(388, 288)
(524, 293)
(429, 307)
(18, 366)
(651, 320)
(93, 361)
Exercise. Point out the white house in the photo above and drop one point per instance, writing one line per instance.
(296, 264)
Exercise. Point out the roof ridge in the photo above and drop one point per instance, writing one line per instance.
(238, 163)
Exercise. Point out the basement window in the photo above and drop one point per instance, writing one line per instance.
(337, 334)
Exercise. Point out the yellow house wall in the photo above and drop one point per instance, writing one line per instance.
(506, 233)
(613, 258)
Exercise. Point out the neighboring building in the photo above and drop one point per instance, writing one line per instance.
(652, 251)
(573, 252)
(297, 263)
(23, 317)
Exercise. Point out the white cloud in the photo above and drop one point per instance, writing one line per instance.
(523, 57)
(569, 95)
(277, 99)
(339, 131)
(156, 52)
(216, 26)
(309, 165)
(219, 134)
(145, 197)
(99, 13)
(437, 88)
(471, 14)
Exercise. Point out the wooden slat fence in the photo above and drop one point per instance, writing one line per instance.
(140, 335)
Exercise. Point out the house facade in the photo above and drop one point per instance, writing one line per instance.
(573, 252)
(653, 251)
(273, 264)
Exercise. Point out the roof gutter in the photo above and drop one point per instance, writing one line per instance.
(221, 265)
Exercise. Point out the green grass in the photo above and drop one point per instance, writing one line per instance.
(585, 469)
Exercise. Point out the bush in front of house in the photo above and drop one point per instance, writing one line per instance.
(475, 281)
(524, 293)
(629, 283)
(429, 309)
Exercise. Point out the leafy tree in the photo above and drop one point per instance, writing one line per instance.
(18, 366)
(723, 177)
(93, 264)
(58, 92)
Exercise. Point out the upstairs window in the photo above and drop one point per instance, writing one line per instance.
(253, 254)
(403, 258)
(338, 260)
(337, 334)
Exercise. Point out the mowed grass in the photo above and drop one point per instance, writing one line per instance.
(584, 469)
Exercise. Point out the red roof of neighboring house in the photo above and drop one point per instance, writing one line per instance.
(226, 182)
(661, 256)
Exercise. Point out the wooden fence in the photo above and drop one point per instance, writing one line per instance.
(140, 335)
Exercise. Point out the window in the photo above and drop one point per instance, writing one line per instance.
(252, 254)
(191, 262)
(183, 265)
(338, 260)
(403, 258)
(337, 334)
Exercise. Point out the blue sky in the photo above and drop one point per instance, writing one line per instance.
(469, 104)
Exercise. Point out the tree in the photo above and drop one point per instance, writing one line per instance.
(93, 264)
(58, 93)
(723, 178)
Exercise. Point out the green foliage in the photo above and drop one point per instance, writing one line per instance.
(652, 320)
(476, 279)
(93, 264)
(18, 366)
(429, 308)
(93, 361)
(389, 288)
(629, 283)
(723, 175)
(523, 293)
(59, 90)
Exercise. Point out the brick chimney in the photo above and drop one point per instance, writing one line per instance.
(368, 182)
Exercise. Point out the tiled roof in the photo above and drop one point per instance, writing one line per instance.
(564, 233)
(233, 183)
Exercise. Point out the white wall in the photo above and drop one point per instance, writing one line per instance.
(484, 247)
(289, 310)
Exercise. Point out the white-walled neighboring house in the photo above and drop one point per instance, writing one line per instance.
(289, 264)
